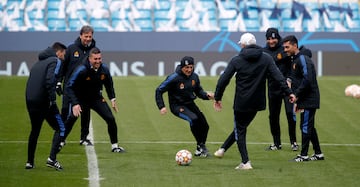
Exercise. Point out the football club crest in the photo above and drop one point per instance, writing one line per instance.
(182, 86)
(76, 54)
(192, 82)
(88, 78)
(102, 77)
(279, 56)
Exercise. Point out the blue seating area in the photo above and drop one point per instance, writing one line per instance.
(180, 15)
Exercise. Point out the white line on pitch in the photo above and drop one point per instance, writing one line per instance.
(93, 169)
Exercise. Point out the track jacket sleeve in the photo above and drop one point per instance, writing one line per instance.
(277, 75)
(50, 83)
(63, 67)
(72, 83)
(199, 91)
(161, 89)
(224, 80)
(306, 75)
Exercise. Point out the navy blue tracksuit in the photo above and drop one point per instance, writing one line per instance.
(85, 88)
(306, 89)
(182, 91)
(74, 57)
(40, 102)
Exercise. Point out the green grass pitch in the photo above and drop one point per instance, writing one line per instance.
(152, 140)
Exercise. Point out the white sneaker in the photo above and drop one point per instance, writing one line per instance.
(118, 150)
(219, 153)
(243, 166)
(294, 146)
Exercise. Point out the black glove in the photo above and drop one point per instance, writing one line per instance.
(59, 90)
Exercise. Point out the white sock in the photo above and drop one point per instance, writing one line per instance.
(115, 145)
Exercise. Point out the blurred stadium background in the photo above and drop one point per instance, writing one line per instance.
(180, 15)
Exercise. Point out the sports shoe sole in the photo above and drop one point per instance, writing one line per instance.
(315, 158)
(51, 166)
(86, 143)
(29, 166)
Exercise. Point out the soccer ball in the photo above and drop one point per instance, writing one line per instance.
(349, 90)
(353, 90)
(183, 157)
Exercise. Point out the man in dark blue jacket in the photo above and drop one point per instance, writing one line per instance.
(41, 102)
(252, 67)
(304, 84)
(84, 90)
(75, 55)
(183, 86)
(275, 49)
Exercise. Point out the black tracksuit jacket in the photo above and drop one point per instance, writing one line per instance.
(304, 82)
(181, 89)
(85, 84)
(74, 56)
(40, 87)
(252, 67)
(283, 63)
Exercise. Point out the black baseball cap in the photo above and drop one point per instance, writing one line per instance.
(186, 60)
(272, 33)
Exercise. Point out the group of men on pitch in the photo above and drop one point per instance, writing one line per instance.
(79, 68)
(291, 78)
(289, 70)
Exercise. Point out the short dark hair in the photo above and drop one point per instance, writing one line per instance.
(86, 29)
(58, 46)
(292, 39)
(94, 50)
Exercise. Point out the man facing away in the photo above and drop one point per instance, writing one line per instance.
(252, 67)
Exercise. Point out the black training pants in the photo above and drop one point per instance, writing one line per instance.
(308, 132)
(275, 103)
(198, 124)
(242, 121)
(85, 117)
(38, 113)
(229, 141)
(103, 109)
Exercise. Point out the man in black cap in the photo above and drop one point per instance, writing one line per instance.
(275, 49)
(183, 86)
